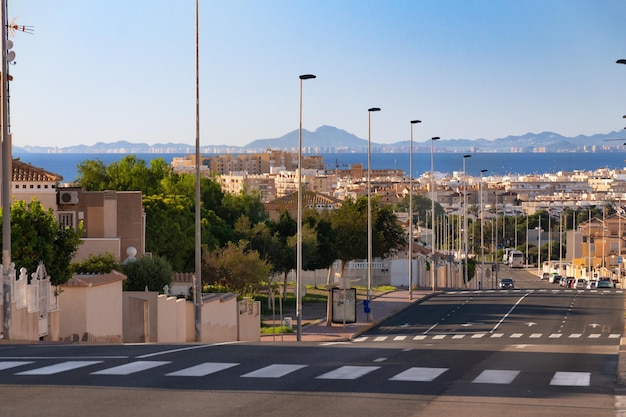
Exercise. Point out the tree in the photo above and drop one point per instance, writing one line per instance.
(153, 272)
(37, 237)
(96, 264)
(236, 268)
(170, 229)
(350, 225)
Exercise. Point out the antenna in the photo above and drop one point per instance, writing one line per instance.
(13, 27)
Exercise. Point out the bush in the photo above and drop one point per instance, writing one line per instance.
(148, 272)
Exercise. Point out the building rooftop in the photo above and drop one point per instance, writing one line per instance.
(27, 172)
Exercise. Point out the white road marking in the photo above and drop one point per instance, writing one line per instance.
(494, 376)
(458, 336)
(380, 339)
(516, 335)
(13, 364)
(419, 374)
(59, 367)
(571, 379)
(348, 372)
(274, 371)
(203, 369)
(555, 335)
(131, 368)
(419, 337)
(399, 338)
(536, 335)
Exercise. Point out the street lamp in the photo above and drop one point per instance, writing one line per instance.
(411, 211)
(465, 243)
(482, 220)
(432, 213)
(299, 227)
(369, 211)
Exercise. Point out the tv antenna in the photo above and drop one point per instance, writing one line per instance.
(14, 27)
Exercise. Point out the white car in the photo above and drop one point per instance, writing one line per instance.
(592, 284)
(580, 284)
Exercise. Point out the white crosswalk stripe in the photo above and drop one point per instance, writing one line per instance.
(58, 368)
(495, 376)
(273, 371)
(571, 379)
(131, 368)
(419, 374)
(348, 372)
(13, 364)
(203, 369)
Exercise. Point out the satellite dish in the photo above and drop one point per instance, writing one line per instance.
(9, 44)
(10, 56)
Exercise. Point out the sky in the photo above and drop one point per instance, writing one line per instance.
(103, 71)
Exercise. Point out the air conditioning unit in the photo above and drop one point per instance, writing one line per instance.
(68, 197)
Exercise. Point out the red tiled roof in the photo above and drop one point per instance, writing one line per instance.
(27, 172)
(309, 198)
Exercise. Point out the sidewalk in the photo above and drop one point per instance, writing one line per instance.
(383, 307)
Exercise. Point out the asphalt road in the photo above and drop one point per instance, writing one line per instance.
(537, 350)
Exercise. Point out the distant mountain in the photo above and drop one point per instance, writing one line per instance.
(329, 139)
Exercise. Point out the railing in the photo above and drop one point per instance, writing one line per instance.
(35, 296)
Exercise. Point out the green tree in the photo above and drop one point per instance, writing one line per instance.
(235, 267)
(350, 225)
(127, 174)
(97, 264)
(148, 272)
(170, 229)
(37, 237)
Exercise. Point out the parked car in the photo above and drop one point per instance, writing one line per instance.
(580, 284)
(591, 284)
(554, 279)
(604, 284)
(507, 283)
(545, 275)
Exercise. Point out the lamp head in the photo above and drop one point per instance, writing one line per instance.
(374, 109)
(415, 121)
(435, 138)
(307, 76)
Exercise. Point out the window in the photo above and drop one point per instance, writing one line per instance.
(67, 219)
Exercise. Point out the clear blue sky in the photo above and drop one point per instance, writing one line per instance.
(125, 69)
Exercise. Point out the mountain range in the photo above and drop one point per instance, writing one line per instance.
(329, 139)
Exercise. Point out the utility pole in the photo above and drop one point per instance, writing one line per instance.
(6, 181)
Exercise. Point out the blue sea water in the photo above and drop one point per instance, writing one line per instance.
(495, 163)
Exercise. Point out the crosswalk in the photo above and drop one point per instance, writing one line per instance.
(14, 370)
(515, 336)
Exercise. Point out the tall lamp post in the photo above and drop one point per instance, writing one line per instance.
(482, 220)
(369, 211)
(299, 220)
(197, 290)
(432, 212)
(465, 242)
(411, 211)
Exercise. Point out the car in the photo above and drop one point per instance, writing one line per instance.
(545, 275)
(555, 279)
(604, 284)
(507, 283)
(580, 284)
(591, 284)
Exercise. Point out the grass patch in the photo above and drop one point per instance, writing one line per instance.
(275, 330)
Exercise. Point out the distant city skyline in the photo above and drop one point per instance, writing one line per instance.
(469, 69)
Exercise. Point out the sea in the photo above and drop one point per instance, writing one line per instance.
(496, 164)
